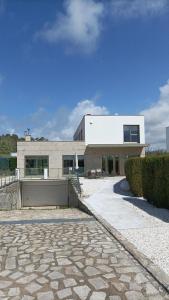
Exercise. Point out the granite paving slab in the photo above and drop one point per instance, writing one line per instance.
(78, 261)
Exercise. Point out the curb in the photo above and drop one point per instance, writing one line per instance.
(156, 272)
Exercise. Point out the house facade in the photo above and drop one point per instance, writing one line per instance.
(100, 143)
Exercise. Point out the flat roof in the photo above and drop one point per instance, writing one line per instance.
(49, 141)
(113, 115)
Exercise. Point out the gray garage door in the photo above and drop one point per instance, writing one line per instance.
(44, 193)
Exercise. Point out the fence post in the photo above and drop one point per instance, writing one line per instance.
(45, 173)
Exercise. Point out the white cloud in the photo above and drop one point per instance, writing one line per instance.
(6, 126)
(82, 108)
(136, 8)
(157, 119)
(61, 126)
(80, 25)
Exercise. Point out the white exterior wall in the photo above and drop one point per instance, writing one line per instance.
(80, 131)
(167, 138)
(109, 129)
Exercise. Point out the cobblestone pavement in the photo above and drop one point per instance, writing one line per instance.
(69, 261)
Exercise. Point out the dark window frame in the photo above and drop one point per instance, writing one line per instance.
(131, 134)
(35, 157)
(71, 157)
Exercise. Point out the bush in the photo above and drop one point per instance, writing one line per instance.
(156, 180)
(149, 177)
(133, 170)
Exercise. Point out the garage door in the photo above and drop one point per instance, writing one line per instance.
(44, 193)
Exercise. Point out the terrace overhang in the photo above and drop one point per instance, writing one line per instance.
(125, 145)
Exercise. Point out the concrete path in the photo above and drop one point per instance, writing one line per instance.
(144, 225)
(112, 207)
(71, 261)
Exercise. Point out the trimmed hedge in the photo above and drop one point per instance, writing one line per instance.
(149, 177)
(156, 180)
(133, 171)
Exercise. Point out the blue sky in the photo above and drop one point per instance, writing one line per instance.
(61, 59)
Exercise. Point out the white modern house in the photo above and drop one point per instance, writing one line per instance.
(111, 130)
(167, 138)
(101, 143)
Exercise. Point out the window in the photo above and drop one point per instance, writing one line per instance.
(35, 165)
(80, 165)
(69, 164)
(131, 133)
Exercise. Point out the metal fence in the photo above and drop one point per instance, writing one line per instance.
(74, 178)
(7, 177)
(52, 173)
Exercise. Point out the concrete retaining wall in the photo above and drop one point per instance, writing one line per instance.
(36, 193)
(75, 199)
(10, 197)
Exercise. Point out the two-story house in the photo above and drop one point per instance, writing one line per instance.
(99, 143)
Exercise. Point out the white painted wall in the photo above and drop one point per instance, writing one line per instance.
(80, 128)
(167, 138)
(109, 129)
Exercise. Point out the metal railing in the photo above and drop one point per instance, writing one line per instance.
(7, 177)
(68, 171)
(53, 173)
(74, 179)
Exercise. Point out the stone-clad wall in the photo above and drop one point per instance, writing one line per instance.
(10, 197)
(54, 151)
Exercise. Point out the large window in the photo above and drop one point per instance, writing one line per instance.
(131, 134)
(69, 164)
(35, 165)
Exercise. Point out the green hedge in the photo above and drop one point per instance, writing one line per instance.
(133, 171)
(149, 177)
(156, 180)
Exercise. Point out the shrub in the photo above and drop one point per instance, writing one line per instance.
(156, 180)
(149, 177)
(133, 170)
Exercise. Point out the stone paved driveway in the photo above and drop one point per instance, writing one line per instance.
(69, 260)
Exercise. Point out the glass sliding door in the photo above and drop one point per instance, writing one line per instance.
(80, 170)
(69, 164)
(35, 165)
